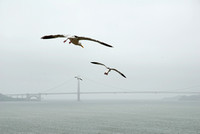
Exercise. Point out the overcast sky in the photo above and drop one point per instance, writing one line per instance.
(156, 45)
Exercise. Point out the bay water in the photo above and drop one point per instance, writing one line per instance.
(100, 117)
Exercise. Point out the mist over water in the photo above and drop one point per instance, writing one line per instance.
(100, 117)
(155, 45)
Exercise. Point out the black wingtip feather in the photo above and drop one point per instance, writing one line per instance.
(124, 76)
(52, 36)
(94, 62)
(106, 44)
(47, 37)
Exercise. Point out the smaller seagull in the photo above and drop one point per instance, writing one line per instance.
(108, 69)
(74, 39)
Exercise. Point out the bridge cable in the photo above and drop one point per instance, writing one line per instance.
(57, 86)
(106, 85)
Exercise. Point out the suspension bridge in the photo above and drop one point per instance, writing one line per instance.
(38, 96)
(78, 93)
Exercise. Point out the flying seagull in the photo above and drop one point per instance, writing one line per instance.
(108, 69)
(74, 39)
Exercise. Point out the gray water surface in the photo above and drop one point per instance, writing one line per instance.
(100, 117)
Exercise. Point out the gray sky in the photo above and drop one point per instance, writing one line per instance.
(156, 45)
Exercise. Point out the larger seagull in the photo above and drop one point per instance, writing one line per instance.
(74, 39)
(108, 69)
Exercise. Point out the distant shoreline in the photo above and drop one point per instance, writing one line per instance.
(7, 98)
(184, 98)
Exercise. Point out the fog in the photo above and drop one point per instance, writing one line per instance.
(156, 45)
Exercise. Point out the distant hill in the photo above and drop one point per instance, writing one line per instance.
(185, 98)
(6, 98)
(191, 97)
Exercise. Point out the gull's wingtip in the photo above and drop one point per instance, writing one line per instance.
(53, 36)
(46, 37)
(110, 46)
(106, 44)
(94, 62)
(43, 37)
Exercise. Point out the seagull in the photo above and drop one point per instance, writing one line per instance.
(74, 39)
(108, 69)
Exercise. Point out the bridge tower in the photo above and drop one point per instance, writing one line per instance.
(78, 88)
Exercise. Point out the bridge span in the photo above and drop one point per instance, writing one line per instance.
(38, 96)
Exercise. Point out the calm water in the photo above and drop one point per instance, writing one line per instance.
(100, 117)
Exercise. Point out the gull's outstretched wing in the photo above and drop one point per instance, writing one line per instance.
(118, 72)
(97, 63)
(86, 38)
(53, 36)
